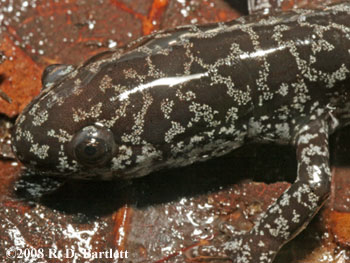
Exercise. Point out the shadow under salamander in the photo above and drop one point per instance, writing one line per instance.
(267, 163)
(262, 163)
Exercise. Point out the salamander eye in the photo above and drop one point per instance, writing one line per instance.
(55, 73)
(93, 146)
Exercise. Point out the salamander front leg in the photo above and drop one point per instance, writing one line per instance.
(294, 208)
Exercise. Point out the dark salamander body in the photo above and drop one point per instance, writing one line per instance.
(197, 92)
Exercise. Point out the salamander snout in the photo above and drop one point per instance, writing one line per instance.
(46, 150)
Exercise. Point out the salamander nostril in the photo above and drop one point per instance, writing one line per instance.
(20, 156)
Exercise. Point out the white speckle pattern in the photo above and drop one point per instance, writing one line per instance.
(40, 151)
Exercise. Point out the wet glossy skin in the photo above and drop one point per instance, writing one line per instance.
(197, 92)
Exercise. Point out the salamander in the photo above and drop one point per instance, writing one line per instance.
(197, 92)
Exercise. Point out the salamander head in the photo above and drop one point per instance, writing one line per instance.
(75, 125)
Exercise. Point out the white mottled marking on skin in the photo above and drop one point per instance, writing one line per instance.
(40, 118)
(123, 158)
(94, 112)
(166, 107)
(106, 83)
(175, 129)
(203, 112)
(139, 119)
(62, 137)
(40, 151)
